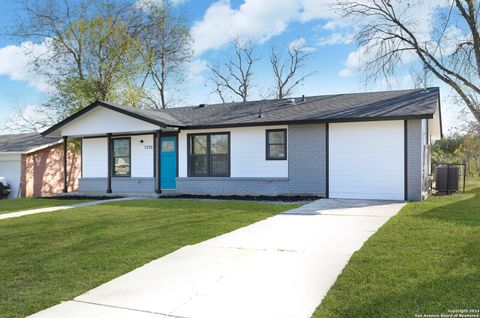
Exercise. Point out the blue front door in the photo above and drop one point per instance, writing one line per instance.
(168, 162)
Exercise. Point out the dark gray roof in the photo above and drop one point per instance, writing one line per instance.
(156, 115)
(358, 106)
(24, 142)
(401, 104)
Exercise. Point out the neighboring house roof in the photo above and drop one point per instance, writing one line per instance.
(400, 104)
(24, 143)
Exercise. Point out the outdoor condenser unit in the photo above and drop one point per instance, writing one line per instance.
(446, 178)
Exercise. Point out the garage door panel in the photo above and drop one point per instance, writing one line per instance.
(372, 189)
(380, 174)
(361, 166)
(370, 146)
(371, 184)
(380, 195)
(11, 170)
(366, 160)
(375, 181)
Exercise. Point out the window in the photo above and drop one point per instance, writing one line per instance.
(121, 157)
(209, 155)
(198, 155)
(276, 144)
(168, 146)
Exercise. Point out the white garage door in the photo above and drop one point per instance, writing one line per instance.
(366, 160)
(11, 170)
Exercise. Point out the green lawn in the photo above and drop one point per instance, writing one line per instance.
(12, 205)
(425, 260)
(50, 257)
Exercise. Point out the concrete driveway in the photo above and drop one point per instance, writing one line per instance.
(280, 267)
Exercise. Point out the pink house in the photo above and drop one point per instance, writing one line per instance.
(34, 165)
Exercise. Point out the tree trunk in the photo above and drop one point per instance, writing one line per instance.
(162, 97)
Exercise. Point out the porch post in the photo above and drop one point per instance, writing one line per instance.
(65, 172)
(158, 173)
(109, 165)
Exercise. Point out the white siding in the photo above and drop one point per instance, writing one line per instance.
(142, 156)
(11, 168)
(434, 125)
(102, 120)
(95, 158)
(247, 158)
(366, 160)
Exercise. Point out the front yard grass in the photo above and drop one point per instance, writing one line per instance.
(14, 205)
(425, 260)
(51, 257)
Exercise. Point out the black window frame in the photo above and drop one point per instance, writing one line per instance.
(208, 154)
(129, 157)
(268, 144)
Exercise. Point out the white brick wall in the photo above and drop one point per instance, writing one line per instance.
(414, 159)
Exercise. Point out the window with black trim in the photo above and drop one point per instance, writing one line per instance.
(121, 157)
(209, 155)
(276, 145)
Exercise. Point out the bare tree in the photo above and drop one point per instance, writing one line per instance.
(236, 74)
(285, 70)
(387, 34)
(33, 118)
(218, 88)
(166, 44)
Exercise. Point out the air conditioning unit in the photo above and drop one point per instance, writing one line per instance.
(447, 179)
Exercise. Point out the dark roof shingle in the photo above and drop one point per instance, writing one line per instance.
(24, 142)
(358, 106)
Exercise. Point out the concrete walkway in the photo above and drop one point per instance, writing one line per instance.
(58, 208)
(279, 267)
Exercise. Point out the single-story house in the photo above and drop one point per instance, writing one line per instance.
(33, 165)
(367, 145)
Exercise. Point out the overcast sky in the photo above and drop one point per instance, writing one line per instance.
(214, 24)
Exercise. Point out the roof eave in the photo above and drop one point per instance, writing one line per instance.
(42, 147)
(12, 153)
(106, 105)
(31, 150)
(137, 116)
(310, 121)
